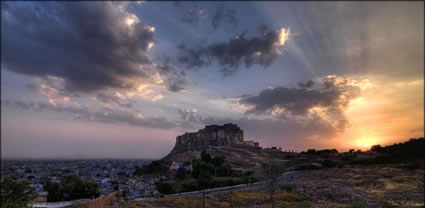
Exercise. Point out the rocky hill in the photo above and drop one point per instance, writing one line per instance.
(212, 135)
(227, 140)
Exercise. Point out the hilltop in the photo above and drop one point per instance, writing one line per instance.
(227, 140)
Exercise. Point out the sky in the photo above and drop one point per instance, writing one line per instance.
(123, 79)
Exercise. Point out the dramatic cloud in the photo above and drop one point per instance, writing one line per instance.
(308, 84)
(293, 100)
(192, 16)
(175, 80)
(224, 15)
(261, 50)
(108, 116)
(91, 45)
(283, 102)
(177, 85)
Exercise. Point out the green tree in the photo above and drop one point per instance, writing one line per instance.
(54, 191)
(189, 185)
(70, 188)
(224, 170)
(165, 188)
(15, 194)
(218, 161)
(205, 156)
(181, 173)
(198, 165)
(75, 188)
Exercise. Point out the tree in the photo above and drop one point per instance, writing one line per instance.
(15, 194)
(189, 185)
(165, 188)
(218, 161)
(70, 188)
(376, 148)
(198, 165)
(271, 172)
(205, 156)
(311, 151)
(224, 170)
(180, 173)
(54, 191)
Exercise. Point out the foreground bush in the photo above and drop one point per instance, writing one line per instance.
(15, 194)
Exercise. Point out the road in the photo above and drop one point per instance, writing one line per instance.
(288, 176)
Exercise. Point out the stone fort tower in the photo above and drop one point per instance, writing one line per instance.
(212, 135)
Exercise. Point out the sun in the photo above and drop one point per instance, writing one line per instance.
(366, 142)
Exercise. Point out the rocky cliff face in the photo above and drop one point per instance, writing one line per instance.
(212, 135)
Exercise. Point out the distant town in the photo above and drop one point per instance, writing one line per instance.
(109, 175)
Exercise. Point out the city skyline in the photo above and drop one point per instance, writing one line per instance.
(124, 79)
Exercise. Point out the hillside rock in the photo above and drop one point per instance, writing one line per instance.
(213, 135)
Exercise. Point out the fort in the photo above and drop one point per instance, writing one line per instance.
(212, 135)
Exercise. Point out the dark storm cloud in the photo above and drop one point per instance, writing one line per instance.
(174, 79)
(262, 50)
(177, 3)
(194, 58)
(308, 84)
(296, 101)
(285, 103)
(177, 85)
(109, 116)
(88, 44)
(224, 15)
(192, 16)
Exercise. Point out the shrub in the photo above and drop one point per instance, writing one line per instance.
(355, 204)
(70, 188)
(224, 170)
(199, 165)
(308, 167)
(165, 188)
(329, 164)
(286, 197)
(205, 156)
(302, 204)
(388, 204)
(189, 185)
(218, 161)
(223, 205)
(288, 187)
(180, 173)
(15, 194)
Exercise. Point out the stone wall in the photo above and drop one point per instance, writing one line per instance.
(213, 135)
